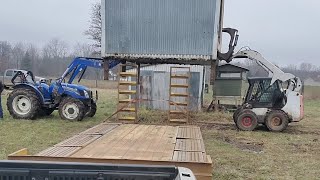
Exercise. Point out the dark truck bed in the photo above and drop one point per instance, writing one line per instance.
(31, 170)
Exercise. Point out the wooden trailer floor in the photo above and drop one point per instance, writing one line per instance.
(133, 144)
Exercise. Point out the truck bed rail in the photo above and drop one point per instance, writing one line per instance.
(31, 170)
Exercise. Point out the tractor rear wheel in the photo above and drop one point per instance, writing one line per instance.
(72, 109)
(246, 120)
(23, 104)
(277, 121)
(92, 109)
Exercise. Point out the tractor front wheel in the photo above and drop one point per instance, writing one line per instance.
(92, 109)
(72, 109)
(246, 120)
(23, 104)
(277, 121)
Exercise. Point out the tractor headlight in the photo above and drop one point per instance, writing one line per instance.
(86, 94)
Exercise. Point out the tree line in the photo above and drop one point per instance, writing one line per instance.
(51, 60)
(303, 70)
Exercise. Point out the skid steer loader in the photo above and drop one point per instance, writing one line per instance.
(274, 101)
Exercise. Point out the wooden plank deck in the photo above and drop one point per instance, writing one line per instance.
(132, 143)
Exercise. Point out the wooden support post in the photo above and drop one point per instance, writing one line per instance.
(214, 65)
(105, 69)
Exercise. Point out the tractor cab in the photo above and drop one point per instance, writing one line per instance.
(263, 94)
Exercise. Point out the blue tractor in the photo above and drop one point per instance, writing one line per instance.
(30, 99)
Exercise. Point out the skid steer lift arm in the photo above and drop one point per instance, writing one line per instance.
(295, 83)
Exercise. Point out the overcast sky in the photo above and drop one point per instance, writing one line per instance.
(284, 31)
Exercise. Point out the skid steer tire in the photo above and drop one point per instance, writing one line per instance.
(23, 104)
(277, 121)
(92, 109)
(72, 109)
(246, 120)
(235, 114)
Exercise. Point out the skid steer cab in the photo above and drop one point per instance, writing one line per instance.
(31, 99)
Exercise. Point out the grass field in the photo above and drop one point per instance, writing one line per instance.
(293, 154)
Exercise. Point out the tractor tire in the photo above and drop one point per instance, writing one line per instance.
(277, 121)
(92, 109)
(23, 104)
(72, 109)
(246, 120)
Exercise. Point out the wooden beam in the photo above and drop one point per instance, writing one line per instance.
(105, 69)
(21, 152)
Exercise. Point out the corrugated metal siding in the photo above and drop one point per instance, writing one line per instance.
(161, 28)
(155, 85)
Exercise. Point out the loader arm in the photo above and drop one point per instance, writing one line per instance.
(80, 64)
(295, 83)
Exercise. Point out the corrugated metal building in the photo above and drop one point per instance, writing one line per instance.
(161, 31)
(155, 86)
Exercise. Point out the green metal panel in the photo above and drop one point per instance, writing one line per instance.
(228, 87)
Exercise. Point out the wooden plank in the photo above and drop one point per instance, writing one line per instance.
(102, 146)
(101, 129)
(59, 151)
(189, 132)
(189, 145)
(125, 74)
(118, 143)
(177, 76)
(80, 140)
(147, 148)
(180, 85)
(179, 94)
(127, 92)
(178, 104)
(182, 156)
(128, 83)
(138, 142)
(178, 121)
(21, 152)
(128, 110)
(167, 143)
(122, 147)
(154, 147)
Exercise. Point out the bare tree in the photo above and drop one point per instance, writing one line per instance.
(35, 57)
(291, 68)
(18, 53)
(56, 48)
(83, 50)
(95, 30)
(306, 67)
(26, 62)
(5, 52)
